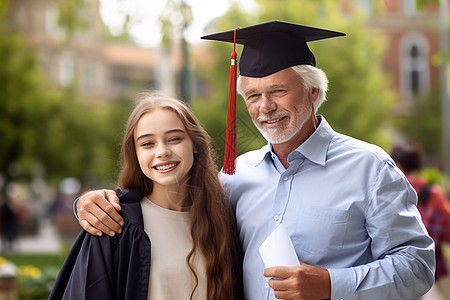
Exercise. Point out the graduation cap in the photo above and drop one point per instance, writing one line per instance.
(268, 48)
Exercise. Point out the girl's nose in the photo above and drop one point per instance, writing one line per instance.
(162, 151)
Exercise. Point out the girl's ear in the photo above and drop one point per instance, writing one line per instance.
(196, 150)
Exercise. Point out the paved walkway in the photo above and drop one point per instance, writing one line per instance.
(46, 241)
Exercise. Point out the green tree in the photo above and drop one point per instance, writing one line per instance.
(80, 140)
(70, 16)
(50, 129)
(39, 125)
(19, 110)
(423, 123)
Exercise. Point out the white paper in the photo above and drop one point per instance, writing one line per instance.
(277, 249)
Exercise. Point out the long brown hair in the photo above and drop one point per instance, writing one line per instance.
(212, 222)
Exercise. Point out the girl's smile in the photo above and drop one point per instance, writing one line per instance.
(166, 167)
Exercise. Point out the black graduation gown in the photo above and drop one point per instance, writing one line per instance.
(109, 267)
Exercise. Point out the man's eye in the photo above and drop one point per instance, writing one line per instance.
(252, 97)
(278, 91)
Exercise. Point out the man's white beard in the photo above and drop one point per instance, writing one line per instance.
(283, 134)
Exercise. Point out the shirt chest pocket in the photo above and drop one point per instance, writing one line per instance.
(320, 229)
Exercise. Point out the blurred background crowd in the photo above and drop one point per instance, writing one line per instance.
(70, 70)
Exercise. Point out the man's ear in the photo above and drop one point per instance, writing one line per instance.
(313, 94)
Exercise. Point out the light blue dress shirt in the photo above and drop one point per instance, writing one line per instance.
(346, 207)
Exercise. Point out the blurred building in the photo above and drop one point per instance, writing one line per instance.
(412, 34)
(102, 69)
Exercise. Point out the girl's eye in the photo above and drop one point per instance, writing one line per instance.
(147, 144)
(175, 139)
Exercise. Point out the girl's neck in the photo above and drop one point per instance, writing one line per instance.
(172, 198)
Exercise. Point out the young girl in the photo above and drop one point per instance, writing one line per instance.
(179, 240)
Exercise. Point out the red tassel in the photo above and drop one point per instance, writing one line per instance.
(229, 163)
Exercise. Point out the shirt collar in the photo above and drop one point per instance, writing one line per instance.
(315, 148)
(264, 152)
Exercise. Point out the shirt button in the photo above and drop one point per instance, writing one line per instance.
(276, 218)
(267, 286)
(285, 178)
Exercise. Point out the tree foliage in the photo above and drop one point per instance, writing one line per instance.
(47, 131)
(424, 122)
(71, 17)
(20, 112)
(49, 128)
(175, 18)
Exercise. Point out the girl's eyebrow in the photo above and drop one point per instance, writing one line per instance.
(167, 132)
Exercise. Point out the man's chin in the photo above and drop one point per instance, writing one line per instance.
(274, 140)
(273, 137)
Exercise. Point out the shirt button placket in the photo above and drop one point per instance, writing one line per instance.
(277, 217)
(281, 200)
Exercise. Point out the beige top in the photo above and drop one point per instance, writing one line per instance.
(170, 276)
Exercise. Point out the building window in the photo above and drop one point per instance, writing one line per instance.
(121, 81)
(366, 6)
(66, 70)
(415, 69)
(409, 6)
(51, 21)
(88, 78)
(415, 65)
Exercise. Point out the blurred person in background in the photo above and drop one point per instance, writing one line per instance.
(9, 227)
(432, 204)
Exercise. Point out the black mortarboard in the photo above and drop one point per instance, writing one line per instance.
(273, 46)
(268, 48)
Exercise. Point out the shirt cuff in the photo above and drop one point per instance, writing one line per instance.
(343, 284)
(75, 208)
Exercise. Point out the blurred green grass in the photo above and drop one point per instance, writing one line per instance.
(42, 260)
(39, 260)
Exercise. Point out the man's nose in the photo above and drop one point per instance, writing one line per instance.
(267, 105)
